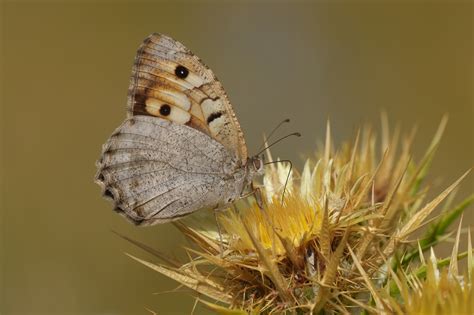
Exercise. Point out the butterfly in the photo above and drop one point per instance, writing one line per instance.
(181, 147)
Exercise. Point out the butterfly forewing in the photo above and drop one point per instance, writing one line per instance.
(170, 82)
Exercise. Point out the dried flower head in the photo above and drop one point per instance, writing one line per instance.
(335, 242)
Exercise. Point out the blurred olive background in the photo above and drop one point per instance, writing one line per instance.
(65, 71)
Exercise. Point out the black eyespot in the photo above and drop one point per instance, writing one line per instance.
(108, 193)
(181, 72)
(165, 109)
(101, 177)
(213, 116)
(118, 209)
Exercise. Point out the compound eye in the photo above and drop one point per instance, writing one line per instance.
(257, 164)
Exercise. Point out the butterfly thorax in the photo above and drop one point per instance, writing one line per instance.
(238, 179)
(242, 173)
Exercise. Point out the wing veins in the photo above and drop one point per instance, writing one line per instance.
(160, 140)
(134, 206)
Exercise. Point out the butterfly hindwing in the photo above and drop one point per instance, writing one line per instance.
(170, 82)
(157, 171)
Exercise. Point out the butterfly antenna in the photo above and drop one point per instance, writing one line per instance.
(275, 142)
(275, 129)
(287, 176)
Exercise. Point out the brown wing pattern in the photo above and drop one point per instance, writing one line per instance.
(170, 82)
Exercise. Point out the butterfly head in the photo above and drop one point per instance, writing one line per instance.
(255, 165)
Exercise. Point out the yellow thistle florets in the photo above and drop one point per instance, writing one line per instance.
(337, 241)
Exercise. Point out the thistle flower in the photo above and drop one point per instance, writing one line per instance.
(339, 240)
(437, 286)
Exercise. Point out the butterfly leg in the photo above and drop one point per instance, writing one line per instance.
(257, 193)
(219, 230)
(258, 196)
